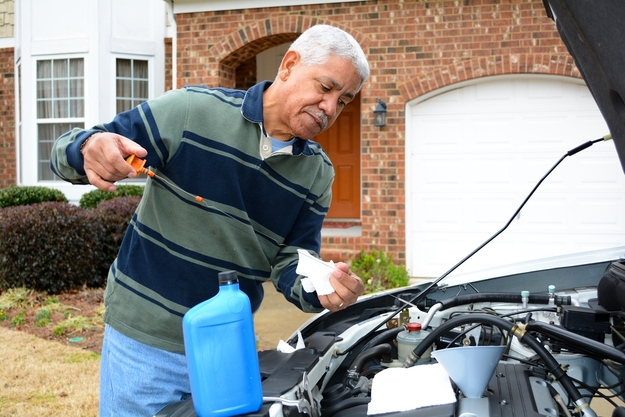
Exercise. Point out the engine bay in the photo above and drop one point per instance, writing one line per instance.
(560, 350)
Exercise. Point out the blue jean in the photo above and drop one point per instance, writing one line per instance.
(137, 379)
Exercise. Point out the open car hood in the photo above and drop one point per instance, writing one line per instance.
(593, 32)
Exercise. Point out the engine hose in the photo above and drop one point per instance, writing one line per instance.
(502, 298)
(556, 370)
(385, 336)
(353, 373)
(433, 336)
(589, 345)
(345, 404)
(552, 365)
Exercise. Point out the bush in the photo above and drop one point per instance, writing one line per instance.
(93, 198)
(26, 195)
(56, 246)
(378, 271)
(50, 246)
(114, 216)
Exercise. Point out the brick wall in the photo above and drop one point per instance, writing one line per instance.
(7, 119)
(413, 47)
(168, 64)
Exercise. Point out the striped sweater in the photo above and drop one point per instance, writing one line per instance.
(256, 209)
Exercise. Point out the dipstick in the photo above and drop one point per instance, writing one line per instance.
(139, 166)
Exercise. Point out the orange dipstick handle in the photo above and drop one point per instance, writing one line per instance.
(139, 165)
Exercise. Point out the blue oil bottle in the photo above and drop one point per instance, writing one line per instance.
(222, 358)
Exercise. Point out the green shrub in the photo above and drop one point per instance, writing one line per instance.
(378, 271)
(26, 195)
(56, 247)
(113, 215)
(93, 198)
(50, 246)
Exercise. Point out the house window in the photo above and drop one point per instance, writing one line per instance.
(60, 105)
(132, 83)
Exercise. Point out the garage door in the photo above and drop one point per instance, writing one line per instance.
(473, 154)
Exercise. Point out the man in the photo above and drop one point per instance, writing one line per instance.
(238, 186)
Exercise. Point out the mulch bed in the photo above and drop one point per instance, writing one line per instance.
(86, 303)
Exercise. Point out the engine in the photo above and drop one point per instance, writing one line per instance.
(541, 353)
(555, 356)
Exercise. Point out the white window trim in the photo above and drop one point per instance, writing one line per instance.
(39, 121)
(29, 140)
(152, 92)
(112, 102)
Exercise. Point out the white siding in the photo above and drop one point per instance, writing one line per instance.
(98, 32)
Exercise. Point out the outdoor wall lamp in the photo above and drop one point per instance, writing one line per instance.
(379, 114)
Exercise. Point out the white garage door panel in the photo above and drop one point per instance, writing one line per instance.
(439, 213)
(595, 174)
(604, 214)
(438, 173)
(474, 153)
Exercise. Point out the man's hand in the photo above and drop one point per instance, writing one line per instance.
(105, 159)
(347, 288)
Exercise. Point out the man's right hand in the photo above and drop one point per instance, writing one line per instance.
(105, 156)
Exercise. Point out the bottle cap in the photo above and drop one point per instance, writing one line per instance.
(228, 277)
(413, 327)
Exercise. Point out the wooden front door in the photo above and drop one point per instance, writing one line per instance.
(342, 144)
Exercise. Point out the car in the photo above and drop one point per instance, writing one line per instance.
(537, 338)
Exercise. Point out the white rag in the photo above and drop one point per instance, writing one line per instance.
(317, 273)
(402, 389)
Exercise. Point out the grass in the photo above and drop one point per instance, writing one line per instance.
(73, 324)
(17, 298)
(22, 299)
(42, 378)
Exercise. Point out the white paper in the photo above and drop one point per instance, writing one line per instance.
(284, 347)
(300, 341)
(317, 272)
(404, 389)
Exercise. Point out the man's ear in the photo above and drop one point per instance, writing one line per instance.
(290, 59)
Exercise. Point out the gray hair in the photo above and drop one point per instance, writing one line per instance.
(315, 44)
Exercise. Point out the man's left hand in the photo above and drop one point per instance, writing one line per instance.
(347, 287)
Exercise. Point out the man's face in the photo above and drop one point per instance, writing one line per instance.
(314, 96)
